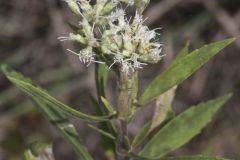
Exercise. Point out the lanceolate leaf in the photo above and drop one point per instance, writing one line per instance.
(181, 129)
(102, 132)
(107, 105)
(101, 78)
(52, 113)
(34, 91)
(163, 108)
(183, 52)
(67, 130)
(181, 70)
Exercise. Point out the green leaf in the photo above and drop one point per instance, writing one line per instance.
(107, 105)
(199, 157)
(101, 79)
(163, 108)
(181, 129)
(181, 70)
(26, 85)
(183, 52)
(67, 130)
(104, 133)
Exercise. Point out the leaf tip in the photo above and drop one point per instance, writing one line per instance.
(102, 98)
(187, 43)
(3, 67)
(228, 96)
(231, 40)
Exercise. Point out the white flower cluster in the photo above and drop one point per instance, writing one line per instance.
(127, 41)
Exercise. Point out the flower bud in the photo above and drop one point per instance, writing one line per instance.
(73, 6)
(110, 42)
(77, 38)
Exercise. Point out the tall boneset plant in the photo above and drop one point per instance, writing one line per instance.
(113, 40)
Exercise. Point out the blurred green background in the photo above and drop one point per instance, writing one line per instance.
(28, 42)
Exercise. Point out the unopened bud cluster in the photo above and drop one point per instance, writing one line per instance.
(107, 33)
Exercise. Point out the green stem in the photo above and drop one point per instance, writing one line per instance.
(124, 103)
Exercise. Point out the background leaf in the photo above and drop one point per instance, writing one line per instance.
(67, 130)
(26, 85)
(182, 128)
(49, 110)
(181, 70)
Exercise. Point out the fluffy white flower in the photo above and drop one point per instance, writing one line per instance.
(86, 56)
(73, 37)
(129, 42)
(138, 43)
(117, 14)
(136, 64)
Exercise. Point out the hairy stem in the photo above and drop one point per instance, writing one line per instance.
(124, 104)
